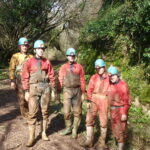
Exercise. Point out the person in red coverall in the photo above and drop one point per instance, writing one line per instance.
(119, 98)
(37, 76)
(97, 102)
(71, 78)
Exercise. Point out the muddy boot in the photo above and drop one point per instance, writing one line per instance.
(31, 135)
(44, 127)
(68, 129)
(75, 127)
(89, 137)
(102, 139)
(120, 146)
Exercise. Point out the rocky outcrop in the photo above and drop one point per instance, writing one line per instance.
(70, 31)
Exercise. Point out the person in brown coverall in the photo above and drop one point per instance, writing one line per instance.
(15, 69)
(37, 76)
(71, 78)
(97, 103)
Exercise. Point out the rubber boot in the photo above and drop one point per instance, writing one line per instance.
(89, 137)
(31, 135)
(68, 129)
(44, 128)
(102, 138)
(76, 124)
(120, 146)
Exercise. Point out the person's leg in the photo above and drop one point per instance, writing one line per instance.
(103, 116)
(77, 111)
(67, 111)
(23, 104)
(33, 109)
(118, 128)
(90, 121)
(44, 103)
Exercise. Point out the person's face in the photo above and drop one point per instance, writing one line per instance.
(24, 48)
(71, 58)
(39, 52)
(113, 78)
(100, 70)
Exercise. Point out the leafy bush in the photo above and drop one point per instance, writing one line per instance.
(120, 36)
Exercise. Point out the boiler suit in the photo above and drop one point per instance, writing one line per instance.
(97, 96)
(119, 98)
(71, 78)
(36, 77)
(15, 69)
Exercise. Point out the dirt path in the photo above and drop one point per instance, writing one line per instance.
(14, 133)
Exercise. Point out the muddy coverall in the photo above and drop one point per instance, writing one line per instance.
(37, 75)
(97, 94)
(71, 78)
(15, 69)
(119, 98)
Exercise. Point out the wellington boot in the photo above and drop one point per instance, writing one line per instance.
(44, 137)
(89, 137)
(44, 128)
(102, 144)
(75, 127)
(120, 146)
(31, 136)
(66, 131)
(102, 139)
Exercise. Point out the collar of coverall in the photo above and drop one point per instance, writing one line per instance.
(24, 53)
(38, 58)
(71, 63)
(103, 76)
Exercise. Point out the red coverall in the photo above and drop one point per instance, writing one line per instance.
(36, 75)
(97, 93)
(71, 77)
(119, 98)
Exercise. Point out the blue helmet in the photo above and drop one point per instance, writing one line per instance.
(113, 70)
(70, 51)
(23, 41)
(100, 63)
(39, 44)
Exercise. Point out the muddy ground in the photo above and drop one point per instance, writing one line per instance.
(14, 130)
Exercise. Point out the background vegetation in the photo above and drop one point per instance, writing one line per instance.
(120, 35)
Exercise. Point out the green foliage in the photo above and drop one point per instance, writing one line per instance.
(3, 74)
(120, 36)
(137, 116)
(138, 127)
(27, 18)
(135, 78)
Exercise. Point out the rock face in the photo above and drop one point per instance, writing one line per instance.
(70, 32)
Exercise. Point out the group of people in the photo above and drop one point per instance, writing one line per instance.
(32, 77)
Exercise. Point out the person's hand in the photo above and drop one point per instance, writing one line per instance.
(27, 96)
(82, 97)
(123, 117)
(13, 85)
